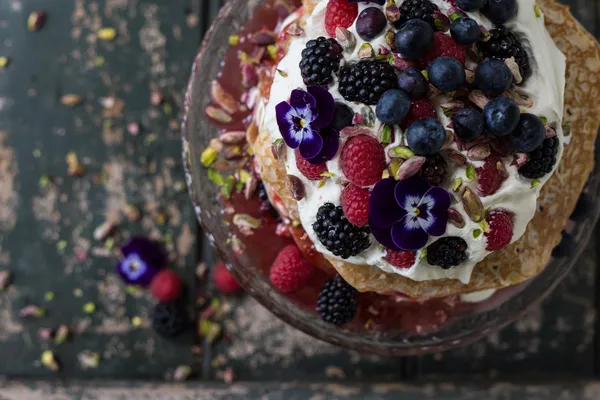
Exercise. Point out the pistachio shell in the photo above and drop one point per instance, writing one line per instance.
(410, 167)
(250, 187)
(222, 98)
(473, 206)
(458, 158)
(550, 132)
(390, 39)
(346, 39)
(5, 277)
(233, 137)
(479, 152)
(522, 99)
(295, 186)
(455, 218)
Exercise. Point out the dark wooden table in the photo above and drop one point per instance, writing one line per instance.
(47, 220)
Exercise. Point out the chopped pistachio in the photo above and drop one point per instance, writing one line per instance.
(470, 172)
(234, 40)
(327, 174)
(107, 34)
(272, 50)
(485, 227)
(4, 61)
(386, 134)
(62, 334)
(49, 361)
(535, 183)
(477, 233)
(281, 73)
(136, 321)
(423, 253)
(49, 296)
(88, 359)
(321, 183)
(456, 184)
(5, 277)
(44, 181)
(61, 245)
(403, 152)
(209, 330)
(227, 187)
(244, 175)
(296, 223)
(182, 373)
(278, 141)
(109, 243)
(71, 100)
(394, 169)
(77, 292)
(99, 61)
(215, 177)
(89, 308)
(32, 311)
(536, 10)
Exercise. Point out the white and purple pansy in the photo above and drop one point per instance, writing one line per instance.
(402, 215)
(141, 261)
(304, 124)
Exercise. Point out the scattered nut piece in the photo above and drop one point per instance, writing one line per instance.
(182, 373)
(5, 277)
(455, 218)
(107, 34)
(36, 21)
(49, 361)
(223, 98)
(218, 114)
(104, 230)
(62, 334)
(71, 100)
(346, 39)
(88, 359)
(246, 224)
(473, 205)
(295, 186)
(411, 167)
(32, 311)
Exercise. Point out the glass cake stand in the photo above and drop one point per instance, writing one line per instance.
(463, 326)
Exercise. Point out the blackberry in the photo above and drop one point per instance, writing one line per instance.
(337, 234)
(265, 203)
(337, 302)
(435, 169)
(447, 252)
(504, 44)
(320, 59)
(416, 9)
(169, 319)
(262, 191)
(541, 160)
(366, 81)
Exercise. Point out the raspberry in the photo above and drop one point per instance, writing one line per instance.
(224, 281)
(339, 14)
(401, 259)
(311, 171)
(444, 45)
(363, 160)
(419, 109)
(490, 177)
(290, 272)
(166, 286)
(501, 229)
(355, 203)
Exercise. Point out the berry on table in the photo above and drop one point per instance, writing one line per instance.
(529, 133)
(417, 9)
(337, 234)
(370, 23)
(468, 123)
(169, 319)
(339, 14)
(470, 5)
(337, 302)
(393, 106)
(435, 169)
(499, 11)
(413, 82)
(444, 45)
(501, 229)
(501, 116)
(446, 74)
(342, 117)
(447, 252)
(465, 30)
(366, 81)
(355, 204)
(426, 136)
(419, 109)
(490, 177)
(401, 259)
(414, 39)
(310, 171)
(363, 160)
(541, 161)
(290, 271)
(320, 60)
(493, 77)
(504, 44)
(224, 281)
(166, 286)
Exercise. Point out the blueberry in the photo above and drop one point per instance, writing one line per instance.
(446, 74)
(529, 133)
(493, 77)
(465, 30)
(414, 39)
(501, 116)
(426, 136)
(342, 117)
(470, 5)
(566, 247)
(393, 106)
(499, 11)
(468, 123)
(413, 82)
(370, 23)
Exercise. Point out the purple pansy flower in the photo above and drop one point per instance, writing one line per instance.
(402, 215)
(304, 124)
(142, 259)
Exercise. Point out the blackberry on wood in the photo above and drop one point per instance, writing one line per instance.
(337, 234)
(417, 9)
(447, 252)
(504, 44)
(541, 160)
(337, 302)
(169, 319)
(435, 169)
(366, 81)
(320, 60)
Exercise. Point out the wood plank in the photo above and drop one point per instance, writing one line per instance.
(46, 239)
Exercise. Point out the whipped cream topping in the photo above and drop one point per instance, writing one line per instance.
(545, 86)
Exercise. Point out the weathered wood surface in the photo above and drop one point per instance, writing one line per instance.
(46, 231)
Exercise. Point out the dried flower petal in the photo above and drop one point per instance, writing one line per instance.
(473, 205)
(295, 186)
